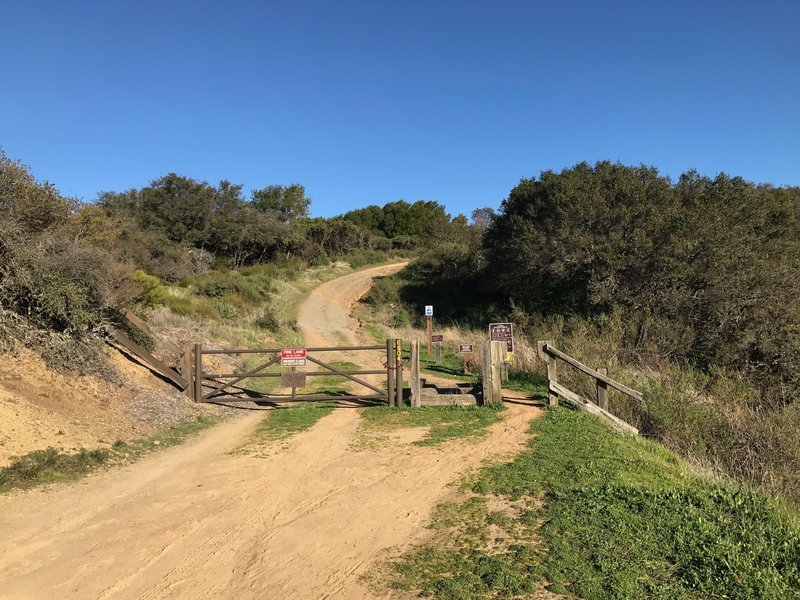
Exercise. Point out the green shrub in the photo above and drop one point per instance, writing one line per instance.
(178, 305)
(385, 290)
(401, 318)
(268, 320)
(362, 258)
(138, 335)
(153, 291)
(226, 310)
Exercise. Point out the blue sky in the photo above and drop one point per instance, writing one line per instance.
(369, 102)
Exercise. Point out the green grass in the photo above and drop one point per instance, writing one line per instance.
(533, 384)
(47, 466)
(445, 422)
(452, 363)
(282, 423)
(598, 515)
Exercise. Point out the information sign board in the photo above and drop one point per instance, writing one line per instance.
(293, 357)
(465, 348)
(502, 332)
(429, 310)
(437, 337)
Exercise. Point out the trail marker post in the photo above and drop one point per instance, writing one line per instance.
(438, 339)
(466, 353)
(503, 332)
(429, 319)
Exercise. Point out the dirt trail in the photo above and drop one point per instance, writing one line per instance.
(198, 522)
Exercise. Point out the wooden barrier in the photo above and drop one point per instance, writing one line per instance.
(550, 354)
(148, 360)
(493, 354)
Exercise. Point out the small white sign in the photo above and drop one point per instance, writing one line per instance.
(429, 310)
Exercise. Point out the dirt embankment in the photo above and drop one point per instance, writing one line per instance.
(40, 407)
(196, 521)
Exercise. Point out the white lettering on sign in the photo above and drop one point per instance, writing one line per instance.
(293, 362)
(293, 357)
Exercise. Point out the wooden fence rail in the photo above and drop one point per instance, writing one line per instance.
(550, 354)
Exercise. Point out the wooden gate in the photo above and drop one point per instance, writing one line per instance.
(285, 369)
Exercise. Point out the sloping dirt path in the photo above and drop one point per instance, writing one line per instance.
(198, 522)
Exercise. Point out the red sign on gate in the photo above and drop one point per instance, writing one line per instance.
(293, 357)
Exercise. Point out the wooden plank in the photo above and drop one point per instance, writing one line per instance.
(590, 407)
(602, 390)
(390, 375)
(548, 349)
(278, 350)
(398, 363)
(137, 322)
(300, 398)
(414, 379)
(150, 361)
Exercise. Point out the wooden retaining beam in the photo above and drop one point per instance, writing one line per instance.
(150, 361)
(549, 354)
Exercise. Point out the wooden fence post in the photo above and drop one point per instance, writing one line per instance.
(186, 369)
(390, 377)
(398, 363)
(492, 355)
(602, 389)
(552, 371)
(414, 382)
(198, 372)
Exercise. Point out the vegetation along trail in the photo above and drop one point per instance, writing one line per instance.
(303, 518)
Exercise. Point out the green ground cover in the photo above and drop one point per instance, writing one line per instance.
(282, 423)
(445, 422)
(50, 465)
(588, 512)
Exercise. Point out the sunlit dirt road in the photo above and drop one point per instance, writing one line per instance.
(303, 519)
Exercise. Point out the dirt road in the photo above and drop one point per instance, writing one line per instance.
(196, 521)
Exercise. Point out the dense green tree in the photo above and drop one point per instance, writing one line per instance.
(286, 203)
(369, 218)
(35, 206)
(706, 270)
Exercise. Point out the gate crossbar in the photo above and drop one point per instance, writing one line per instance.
(228, 391)
(343, 374)
(239, 378)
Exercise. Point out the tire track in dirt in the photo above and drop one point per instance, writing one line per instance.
(196, 521)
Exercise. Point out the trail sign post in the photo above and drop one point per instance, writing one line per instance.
(438, 339)
(503, 332)
(466, 352)
(429, 319)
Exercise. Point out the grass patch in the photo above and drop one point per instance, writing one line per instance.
(445, 422)
(599, 515)
(170, 437)
(332, 384)
(452, 363)
(47, 466)
(282, 423)
(533, 384)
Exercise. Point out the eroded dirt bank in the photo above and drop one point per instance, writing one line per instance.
(196, 521)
